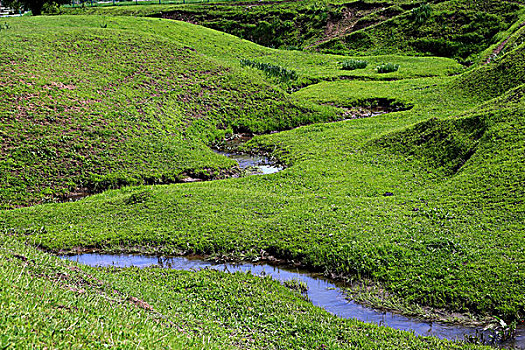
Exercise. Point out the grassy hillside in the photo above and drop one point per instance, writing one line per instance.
(131, 101)
(456, 28)
(426, 203)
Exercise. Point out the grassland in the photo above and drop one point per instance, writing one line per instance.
(427, 202)
(455, 28)
(103, 118)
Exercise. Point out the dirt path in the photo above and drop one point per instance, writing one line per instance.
(501, 46)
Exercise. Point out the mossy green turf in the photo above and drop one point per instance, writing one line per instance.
(138, 101)
(454, 28)
(47, 302)
(451, 235)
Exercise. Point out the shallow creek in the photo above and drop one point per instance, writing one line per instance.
(250, 164)
(259, 164)
(321, 292)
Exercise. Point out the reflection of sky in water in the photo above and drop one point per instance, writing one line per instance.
(321, 292)
(261, 163)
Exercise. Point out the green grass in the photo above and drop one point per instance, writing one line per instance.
(47, 302)
(272, 24)
(438, 241)
(456, 28)
(138, 101)
(387, 68)
(353, 64)
(426, 202)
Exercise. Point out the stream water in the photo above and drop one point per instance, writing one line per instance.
(251, 164)
(258, 164)
(322, 293)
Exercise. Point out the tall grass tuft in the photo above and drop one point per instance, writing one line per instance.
(271, 70)
(387, 68)
(353, 64)
(421, 14)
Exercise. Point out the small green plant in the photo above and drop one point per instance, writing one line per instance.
(503, 330)
(137, 198)
(421, 14)
(297, 285)
(353, 64)
(104, 24)
(4, 26)
(387, 68)
(272, 70)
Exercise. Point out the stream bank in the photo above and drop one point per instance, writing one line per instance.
(320, 291)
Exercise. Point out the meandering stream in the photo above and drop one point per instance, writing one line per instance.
(321, 292)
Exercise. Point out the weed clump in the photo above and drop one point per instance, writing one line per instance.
(387, 68)
(297, 285)
(420, 14)
(353, 64)
(137, 198)
(271, 70)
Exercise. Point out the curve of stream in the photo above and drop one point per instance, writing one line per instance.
(321, 292)
(256, 165)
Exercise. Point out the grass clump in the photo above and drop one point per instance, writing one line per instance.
(353, 64)
(422, 13)
(387, 68)
(271, 70)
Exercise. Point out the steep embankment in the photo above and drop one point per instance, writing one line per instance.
(494, 79)
(458, 29)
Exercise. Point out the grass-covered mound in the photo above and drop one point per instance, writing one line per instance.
(91, 108)
(130, 101)
(495, 78)
(456, 28)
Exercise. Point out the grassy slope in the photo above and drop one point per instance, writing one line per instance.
(273, 24)
(449, 237)
(47, 302)
(102, 118)
(455, 28)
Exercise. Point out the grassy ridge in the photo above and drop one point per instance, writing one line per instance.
(137, 102)
(287, 24)
(457, 28)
